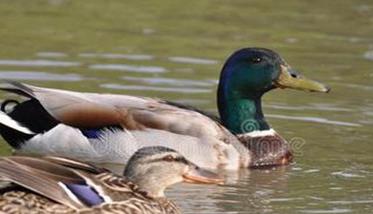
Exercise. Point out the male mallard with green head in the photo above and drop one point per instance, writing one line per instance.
(60, 185)
(110, 127)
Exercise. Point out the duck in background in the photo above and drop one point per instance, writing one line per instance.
(110, 127)
(60, 185)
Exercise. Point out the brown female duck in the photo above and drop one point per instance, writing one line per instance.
(60, 185)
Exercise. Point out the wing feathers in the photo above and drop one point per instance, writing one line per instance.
(91, 110)
(76, 164)
(17, 88)
(37, 181)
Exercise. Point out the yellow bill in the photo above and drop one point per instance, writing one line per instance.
(288, 78)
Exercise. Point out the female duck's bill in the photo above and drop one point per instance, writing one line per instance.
(155, 168)
(74, 185)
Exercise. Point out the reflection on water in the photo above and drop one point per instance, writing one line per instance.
(180, 54)
(257, 190)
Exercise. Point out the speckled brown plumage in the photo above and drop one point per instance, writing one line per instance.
(19, 202)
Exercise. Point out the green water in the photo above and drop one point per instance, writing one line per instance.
(130, 47)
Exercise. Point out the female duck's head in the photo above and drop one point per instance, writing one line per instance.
(153, 169)
(246, 76)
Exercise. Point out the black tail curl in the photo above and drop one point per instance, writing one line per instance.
(5, 103)
(30, 114)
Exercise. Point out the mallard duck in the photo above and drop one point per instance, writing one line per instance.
(111, 127)
(60, 185)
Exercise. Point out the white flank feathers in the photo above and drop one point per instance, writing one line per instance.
(118, 146)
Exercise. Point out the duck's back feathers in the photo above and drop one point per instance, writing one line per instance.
(89, 110)
(212, 116)
(17, 88)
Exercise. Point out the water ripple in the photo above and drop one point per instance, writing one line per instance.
(51, 54)
(168, 81)
(302, 108)
(117, 56)
(368, 55)
(334, 211)
(190, 60)
(129, 68)
(356, 86)
(347, 174)
(153, 88)
(36, 75)
(311, 171)
(314, 119)
(351, 202)
(284, 199)
(39, 62)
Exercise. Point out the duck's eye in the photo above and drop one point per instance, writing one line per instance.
(256, 59)
(168, 158)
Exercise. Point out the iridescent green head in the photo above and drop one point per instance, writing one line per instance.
(246, 76)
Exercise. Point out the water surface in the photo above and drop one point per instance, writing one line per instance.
(175, 50)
